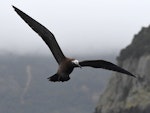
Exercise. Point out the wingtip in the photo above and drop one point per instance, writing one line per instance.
(133, 75)
(13, 6)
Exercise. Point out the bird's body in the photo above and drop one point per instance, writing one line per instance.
(66, 65)
(64, 70)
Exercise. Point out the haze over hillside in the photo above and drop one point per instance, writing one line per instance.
(126, 94)
(24, 87)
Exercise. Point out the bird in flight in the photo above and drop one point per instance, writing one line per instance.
(66, 65)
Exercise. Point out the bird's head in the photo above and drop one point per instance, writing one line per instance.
(76, 63)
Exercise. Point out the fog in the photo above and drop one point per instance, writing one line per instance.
(87, 29)
(80, 26)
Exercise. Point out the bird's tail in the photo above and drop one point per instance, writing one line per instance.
(53, 78)
(58, 78)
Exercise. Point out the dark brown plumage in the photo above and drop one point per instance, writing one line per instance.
(66, 65)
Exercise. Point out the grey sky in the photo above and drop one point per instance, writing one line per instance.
(80, 26)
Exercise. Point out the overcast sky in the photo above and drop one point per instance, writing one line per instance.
(80, 26)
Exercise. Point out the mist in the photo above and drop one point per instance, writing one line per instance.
(87, 29)
(79, 26)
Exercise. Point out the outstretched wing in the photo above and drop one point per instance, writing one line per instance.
(46, 35)
(105, 65)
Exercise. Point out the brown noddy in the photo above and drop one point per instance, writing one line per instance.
(66, 65)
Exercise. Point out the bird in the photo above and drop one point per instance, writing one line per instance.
(65, 64)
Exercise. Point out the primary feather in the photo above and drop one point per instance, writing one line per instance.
(105, 65)
(46, 35)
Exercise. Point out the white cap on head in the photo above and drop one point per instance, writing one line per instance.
(76, 62)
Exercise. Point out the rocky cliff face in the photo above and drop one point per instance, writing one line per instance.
(125, 94)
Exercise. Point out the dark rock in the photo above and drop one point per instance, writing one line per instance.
(125, 94)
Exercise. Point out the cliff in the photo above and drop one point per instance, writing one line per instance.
(125, 94)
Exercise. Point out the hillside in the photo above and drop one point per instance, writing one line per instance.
(126, 94)
(24, 87)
